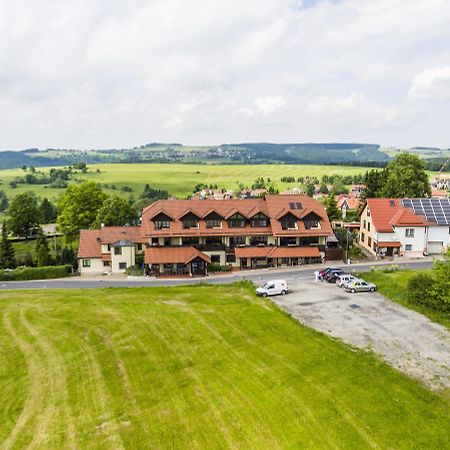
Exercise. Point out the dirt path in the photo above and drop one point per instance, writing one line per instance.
(408, 341)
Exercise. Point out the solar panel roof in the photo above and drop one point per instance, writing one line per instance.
(433, 209)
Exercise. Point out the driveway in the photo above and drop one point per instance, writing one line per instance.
(405, 339)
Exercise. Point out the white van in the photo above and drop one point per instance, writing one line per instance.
(273, 287)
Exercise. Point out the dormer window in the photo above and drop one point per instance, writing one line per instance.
(213, 220)
(236, 221)
(288, 222)
(311, 221)
(162, 222)
(190, 221)
(260, 220)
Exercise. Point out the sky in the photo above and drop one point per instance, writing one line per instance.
(114, 74)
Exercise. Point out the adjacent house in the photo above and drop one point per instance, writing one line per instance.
(414, 227)
(347, 203)
(109, 249)
(185, 236)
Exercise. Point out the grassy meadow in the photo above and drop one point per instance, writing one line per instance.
(178, 179)
(195, 367)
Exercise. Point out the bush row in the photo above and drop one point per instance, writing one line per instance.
(216, 267)
(35, 273)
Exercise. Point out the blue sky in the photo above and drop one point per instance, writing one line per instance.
(109, 73)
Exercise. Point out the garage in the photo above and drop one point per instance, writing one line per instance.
(435, 247)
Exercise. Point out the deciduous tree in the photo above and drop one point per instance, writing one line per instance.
(78, 208)
(24, 214)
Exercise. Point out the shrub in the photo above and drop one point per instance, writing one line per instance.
(216, 267)
(35, 273)
(419, 289)
(135, 271)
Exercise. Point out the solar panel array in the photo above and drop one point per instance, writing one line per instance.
(433, 209)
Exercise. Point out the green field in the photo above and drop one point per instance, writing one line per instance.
(179, 179)
(195, 367)
(394, 286)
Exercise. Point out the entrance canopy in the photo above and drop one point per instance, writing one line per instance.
(277, 252)
(173, 255)
(394, 244)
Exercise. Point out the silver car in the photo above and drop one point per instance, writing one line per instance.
(359, 286)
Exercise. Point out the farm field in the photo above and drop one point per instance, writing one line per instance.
(195, 367)
(179, 179)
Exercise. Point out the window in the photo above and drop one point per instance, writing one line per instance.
(213, 223)
(213, 240)
(109, 247)
(288, 241)
(117, 250)
(408, 247)
(155, 241)
(139, 247)
(231, 258)
(86, 263)
(162, 224)
(259, 220)
(309, 240)
(258, 240)
(362, 237)
(237, 221)
(368, 212)
(288, 223)
(237, 240)
(409, 232)
(106, 263)
(215, 259)
(368, 226)
(190, 240)
(311, 223)
(122, 266)
(190, 221)
(369, 241)
(364, 224)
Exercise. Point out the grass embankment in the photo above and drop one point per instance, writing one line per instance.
(195, 367)
(394, 285)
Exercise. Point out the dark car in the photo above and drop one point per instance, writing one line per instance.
(332, 277)
(332, 274)
(323, 273)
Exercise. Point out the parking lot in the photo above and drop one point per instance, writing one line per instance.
(405, 339)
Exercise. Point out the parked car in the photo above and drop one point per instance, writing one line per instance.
(331, 276)
(273, 287)
(359, 286)
(324, 272)
(344, 278)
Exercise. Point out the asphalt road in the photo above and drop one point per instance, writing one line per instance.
(302, 272)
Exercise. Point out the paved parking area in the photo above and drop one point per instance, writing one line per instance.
(405, 339)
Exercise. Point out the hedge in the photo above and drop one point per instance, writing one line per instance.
(35, 273)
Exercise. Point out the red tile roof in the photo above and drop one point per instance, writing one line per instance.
(253, 252)
(389, 212)
(277, 204)
(404, 217)
(352, 202)
(109, 235)
(274, 206)
(90, 245)
(173, 255)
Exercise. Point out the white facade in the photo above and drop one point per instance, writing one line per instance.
(92, 266)
(438, 239)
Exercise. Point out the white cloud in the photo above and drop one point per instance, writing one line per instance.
(268, 105)
(108, 73)
(432, 84)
